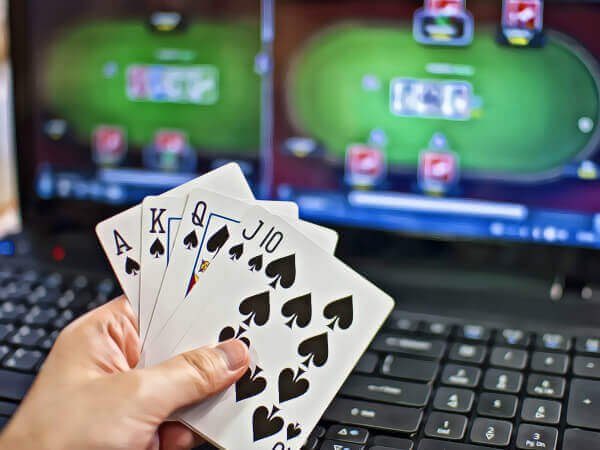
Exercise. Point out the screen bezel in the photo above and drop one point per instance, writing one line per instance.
(47, 217)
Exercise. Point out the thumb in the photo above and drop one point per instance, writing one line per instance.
(193, 376)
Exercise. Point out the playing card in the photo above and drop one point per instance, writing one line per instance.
(204, 233)
(160, 223)
(306, 318)
(120, 235)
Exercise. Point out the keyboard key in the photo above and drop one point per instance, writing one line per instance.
(474, 333)
(556, 363)
(27, 336)
(11, 312)
(438, 329)
(367, 363)
(53, 280)
(503, 381)
(513, 337)
(401, 324)
(446, 426)
(541, 411)
(453, 400)
(554, 341)
(40, 316)
(106, 286)
(501, 406)
(7, 408)
(509, 358)
(536, 437)
(386, 390)
(430, 444)
(409, 369)
(21, 359)
(586, 366)
(14, 385)
(318, 432)
(374, 415)
(463, 376)
(491, 432)
(427, 348)
(344, 433)
(336, 445)
(80, 282)
(4, 350)
(545, 386)
(5, 330)
(47, 342)
(388, 442)
(590, 346)
(584, 404)
(65, 318)
(467, 353)
(579, 439)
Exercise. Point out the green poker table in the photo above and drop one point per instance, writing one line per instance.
(78, 90)
(527, 125)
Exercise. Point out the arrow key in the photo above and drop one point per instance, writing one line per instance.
(491, 432)
(349, 434)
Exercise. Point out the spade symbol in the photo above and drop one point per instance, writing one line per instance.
(291, 386)
(217, 241)
(257, 308)
(230, 333)
(265, 424)
(236, 252)
(131, 267)
(249, 385)
(191, 240)
(157, 249)
(340, 311)
(298, 309)
(255, 263)
(316, 349)
(293, 430)
(282, 270)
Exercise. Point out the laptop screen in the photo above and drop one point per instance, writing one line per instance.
(135, 96)
(442, 118)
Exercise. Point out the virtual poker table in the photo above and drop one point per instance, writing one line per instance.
(89, 74)
(537, 108)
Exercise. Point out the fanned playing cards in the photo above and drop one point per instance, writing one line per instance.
(206, 262)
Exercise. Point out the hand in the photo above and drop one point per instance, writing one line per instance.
(88, 396)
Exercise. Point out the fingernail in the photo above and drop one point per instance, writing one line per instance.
(234, 353)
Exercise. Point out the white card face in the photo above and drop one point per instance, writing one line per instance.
(307, 319)
(160, 223)
(178, 316)
(120, 235)
(203, 232)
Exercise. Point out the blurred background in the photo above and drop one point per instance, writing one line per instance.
(8, 198)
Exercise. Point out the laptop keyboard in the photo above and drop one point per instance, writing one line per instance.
(423, 384)
(34, 306)
(439, 385)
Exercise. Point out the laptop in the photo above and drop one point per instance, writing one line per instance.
(454, 146)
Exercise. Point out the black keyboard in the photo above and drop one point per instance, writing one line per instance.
(437, 384)
(425, 383)
(34, 306)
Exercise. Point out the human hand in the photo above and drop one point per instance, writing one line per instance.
(88, 396)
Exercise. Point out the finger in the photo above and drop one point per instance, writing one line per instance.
(176, 436)
(193, 376)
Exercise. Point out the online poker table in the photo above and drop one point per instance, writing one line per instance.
(526, 126)
(79, 90)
